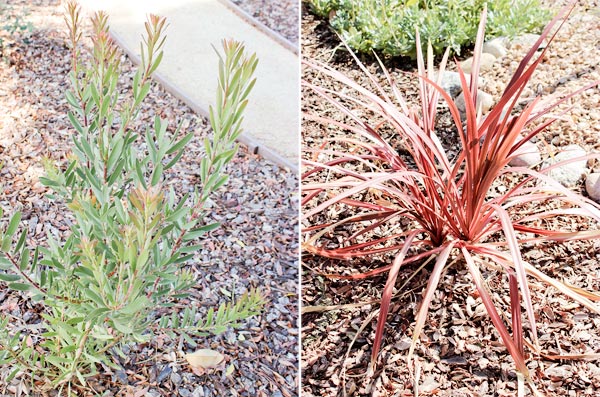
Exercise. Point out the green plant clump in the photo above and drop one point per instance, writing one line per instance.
(388, 26)
(131, 234)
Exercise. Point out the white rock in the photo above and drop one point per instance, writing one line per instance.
(484, 101)
(567, 174)
(526, 41)
(528, 155)
(592, 185)
(451, 82)
(485, 62)
(495, 47)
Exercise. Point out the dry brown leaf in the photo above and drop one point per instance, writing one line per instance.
(203, 359)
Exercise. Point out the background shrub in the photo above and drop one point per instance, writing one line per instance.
(388, 26)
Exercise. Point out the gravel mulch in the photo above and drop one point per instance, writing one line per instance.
(256, 245)
(459, 354)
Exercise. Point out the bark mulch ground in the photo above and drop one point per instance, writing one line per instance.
(256, 245)
(459, 353)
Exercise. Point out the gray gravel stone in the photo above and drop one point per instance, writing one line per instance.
(495, 47)
(451, 82)
(528, 155)
(569, 173)
(526, 41)
(485, 62)
(484, 101)
(176, 378)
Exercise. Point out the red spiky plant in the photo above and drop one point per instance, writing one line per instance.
(444, 201)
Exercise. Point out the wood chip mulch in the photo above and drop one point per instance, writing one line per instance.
(280, 16)
(256, 245)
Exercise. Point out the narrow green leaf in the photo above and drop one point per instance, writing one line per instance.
(174, 160)
(181, 259)
(5, 264)
(58, 362)
(49, 182)
(80, 377)
(93, 296)
(13, 224)
(87, 149)
(76, 124)
(140, 174)
(72, 100)
(19, 286)
(12, 375)
(190, 249)
(24, 259)
(34, 262)
(115, 154)
(195, 233)
(142, 94)
(75, 320)
(20, 242)
(156, 62)
(67, 349)
(141, 302)
(156, 174)
(181, 144)
(136, 83)
(189, 340)
(121, 326)
(9, 277)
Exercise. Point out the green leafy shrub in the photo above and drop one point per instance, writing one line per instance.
(388, 26)
(422, 202)
(131, 234)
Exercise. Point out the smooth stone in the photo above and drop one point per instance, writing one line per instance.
(568, 174)
(526, 41)
(485, 62)
(528, 155)
(484, 101)
(495, 47)
(451, 82)
(592, 185)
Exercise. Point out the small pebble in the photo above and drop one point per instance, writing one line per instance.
(184, 392)
(592, 185)
(176, 378)
(166, 371)
(528, 155)
(495, 47)
(485, 63)
(484, 101)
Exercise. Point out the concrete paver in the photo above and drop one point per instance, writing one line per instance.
(189, 68)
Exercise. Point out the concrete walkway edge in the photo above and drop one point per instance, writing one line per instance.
(257, 24)
(254, 146)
